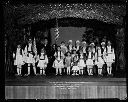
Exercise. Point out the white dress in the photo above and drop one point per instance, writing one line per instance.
(81, 62)
(19, 57)
(43, 61)
(75, 66)
(89, 61)
(110, 56)
(104, 54)
(68, 61)
(100, 61)
(58, 63)
(30, 57)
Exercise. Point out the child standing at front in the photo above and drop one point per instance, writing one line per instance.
(74, 65)
(43, 61)
(81, 62)
(68, 62)
(89, 62)
(58, 63)
(18, 59)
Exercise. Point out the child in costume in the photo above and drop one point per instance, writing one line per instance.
(110, 58)
(67, 61)
(30, 57)
(18, 59)
(43, 61)
(100, 61)
(74, 65)
(81, 62)
(89, 61)
(58, 63)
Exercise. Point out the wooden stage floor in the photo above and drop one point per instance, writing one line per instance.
(65, 87)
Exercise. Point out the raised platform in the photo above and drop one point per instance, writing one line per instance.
(65, 87)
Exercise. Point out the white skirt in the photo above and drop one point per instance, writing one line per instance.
(19, 60)
(109, 58)
(75, 68)
(30, 60)
(100, 62)
(81, 63)
(42, 64)
(89, 62)
(58, 64)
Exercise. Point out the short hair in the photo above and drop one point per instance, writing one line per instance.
(62, 42)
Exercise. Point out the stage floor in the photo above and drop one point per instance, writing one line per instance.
(65, 87)
(47, 80)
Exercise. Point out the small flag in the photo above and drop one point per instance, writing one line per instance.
(56, 33)
(34, 47)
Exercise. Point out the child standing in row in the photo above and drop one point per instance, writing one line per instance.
(58, 63)
(110, 58)
(89, 62)
(74, 65)
(81, 62)
(43, 61)
(18, 56)
(67, 61)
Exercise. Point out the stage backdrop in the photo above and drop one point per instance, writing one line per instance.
(68, 33)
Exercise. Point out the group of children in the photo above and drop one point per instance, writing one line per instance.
(72, 58)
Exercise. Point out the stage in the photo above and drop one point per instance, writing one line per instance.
(65, 87)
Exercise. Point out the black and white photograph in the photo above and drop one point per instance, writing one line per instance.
(65, 50)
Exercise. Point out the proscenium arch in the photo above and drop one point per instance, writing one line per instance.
(103, 12)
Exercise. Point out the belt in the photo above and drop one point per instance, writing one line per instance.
(29, 51)
(42, 59)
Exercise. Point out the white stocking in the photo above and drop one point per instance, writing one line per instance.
(60, 70)
(56, 70)
(41, 71)
(18, 70)
(108, 69)
(28, 69)
(34, 68)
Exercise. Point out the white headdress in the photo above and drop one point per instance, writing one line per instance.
(77, 41)
(103, 43)
(70, 41)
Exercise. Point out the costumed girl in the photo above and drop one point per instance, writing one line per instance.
(18, 56)
(110, 57)
(74, 65)
(100, 61)
(30, 57)
(43, 61)
(89, 61)
(58, 63)
(81, 62)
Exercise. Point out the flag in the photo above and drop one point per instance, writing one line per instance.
(34, 47)
(56, 33)
(56, 30)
